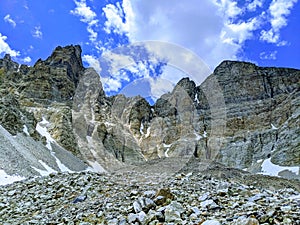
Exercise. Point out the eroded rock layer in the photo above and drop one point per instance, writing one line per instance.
(241, 115)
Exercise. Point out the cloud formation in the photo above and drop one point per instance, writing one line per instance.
(9, 20)
(120, 18)
(254, 5)
(37, 33)
(93, 62)
(268, 55)
(86, 16)
(27, 59)
(218, 30)
(278, 12)
(214, 30)
(5, 48)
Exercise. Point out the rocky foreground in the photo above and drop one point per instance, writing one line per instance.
(158, 192)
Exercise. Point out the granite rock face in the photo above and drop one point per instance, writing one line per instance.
(44, 90)
(262, 108)
(241, 115)
(30, 95)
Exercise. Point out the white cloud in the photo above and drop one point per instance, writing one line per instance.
(115, 15)
(37, 33)
(110, 84)
(27, 59)
(112, 77)
(278, 10)
(84, 11)
(240, 32)
(269, 36)
(208, 30)
(215, 31)
(93, 62)
(165, 83)
(268, 55)
(9, 20)
(87, 16)
(228, 8)
(253, 5)
(117, 61)
(5, 48)
(164, 21)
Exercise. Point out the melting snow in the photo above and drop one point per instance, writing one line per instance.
(46, 172)
(273, 127)
(198, 136)
(268, 168)
(8, 179)
(60, 165)
(96, 167)
(148, 132)
(196, 98)
(109, 124)
(141, 128)
(41, 127)
(168, 148)
(25, 130)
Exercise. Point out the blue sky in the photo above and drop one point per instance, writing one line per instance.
(261, 31)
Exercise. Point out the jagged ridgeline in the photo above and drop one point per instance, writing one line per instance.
(257, 120)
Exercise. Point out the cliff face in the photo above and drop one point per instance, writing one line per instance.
(262, 108)
(241, 115)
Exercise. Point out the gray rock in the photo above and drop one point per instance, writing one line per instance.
(173, 212)
(211, 222)
(143, 204)
(209, 204)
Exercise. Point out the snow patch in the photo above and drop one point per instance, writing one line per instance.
(198, 136)
(109, 124)
(148, 132)
(25, 130)
(273, 127)
(196, 98)
(46, 172)
(61, 166)
(142, 128)
(205, 134)
(41, 127)
(167, 146)
(9, 179)
(168, 149)
(96, 167)
(268, 168)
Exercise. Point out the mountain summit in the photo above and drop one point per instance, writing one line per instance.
(242, 115)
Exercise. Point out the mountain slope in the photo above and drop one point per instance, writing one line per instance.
(242, 115)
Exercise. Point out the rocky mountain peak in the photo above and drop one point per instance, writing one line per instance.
(7, 64)
(70, 54)
(66, 59)
(187, 85)
(242, 115)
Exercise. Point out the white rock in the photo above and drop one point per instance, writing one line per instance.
(211, 222)
(209, 204)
